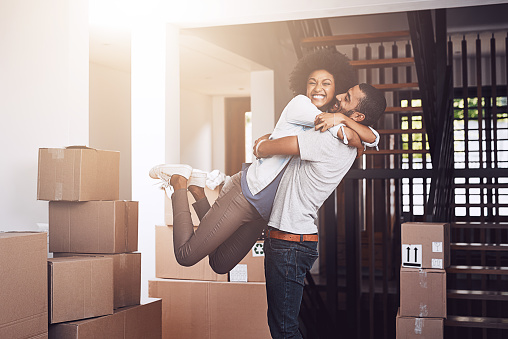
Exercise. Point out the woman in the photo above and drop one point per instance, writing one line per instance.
(232, 225)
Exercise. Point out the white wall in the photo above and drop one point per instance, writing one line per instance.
(110, 118)
(218, 134)
(262, 103)
(196, 130)
(43, 97)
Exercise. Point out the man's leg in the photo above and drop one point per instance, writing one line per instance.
(286, 264)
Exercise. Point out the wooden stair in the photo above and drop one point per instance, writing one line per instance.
(481, 322)
(397, 87)
(478, 247)
(380, 63)
(484, 288)
(477, 295)
(352, 39)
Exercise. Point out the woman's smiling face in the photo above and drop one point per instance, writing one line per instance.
(321, 88)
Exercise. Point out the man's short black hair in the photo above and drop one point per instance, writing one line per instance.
(372, 104)
(335, 63)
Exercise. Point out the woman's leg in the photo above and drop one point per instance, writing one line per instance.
(234, 249)
(228, 213)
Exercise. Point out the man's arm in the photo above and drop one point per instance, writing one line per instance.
(264, 148)
(324, 121)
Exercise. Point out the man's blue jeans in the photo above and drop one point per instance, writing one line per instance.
(286, 263)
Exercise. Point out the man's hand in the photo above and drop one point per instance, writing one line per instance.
(359, 151)
(255, 150)
(324, 121)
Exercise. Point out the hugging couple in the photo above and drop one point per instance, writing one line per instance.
(315, 142)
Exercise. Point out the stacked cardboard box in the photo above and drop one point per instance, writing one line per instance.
(94, 272)
(199, 303)
(23, 285)
(425, 256)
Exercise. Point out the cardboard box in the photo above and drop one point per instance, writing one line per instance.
(133, 322)
(422, 293)
(211, 195)
(425, 245)
(252, 266)
(419, 328)
(79, 287)
(23, 285)
(78, 173)
(211, 309)
(93, 226)
(166, 265)
(126, 276)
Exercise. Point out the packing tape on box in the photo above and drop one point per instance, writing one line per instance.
(423, 278)
(424, 310)
(418, 326)
(56, 153)
(58, 191)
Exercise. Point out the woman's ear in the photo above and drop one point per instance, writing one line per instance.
(357, 116)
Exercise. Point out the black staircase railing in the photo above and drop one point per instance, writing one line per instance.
(436, 89)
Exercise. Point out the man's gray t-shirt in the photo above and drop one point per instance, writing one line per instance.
(309, 180)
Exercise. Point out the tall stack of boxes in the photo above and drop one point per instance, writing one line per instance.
(199, 303)
(94, 277)
(425, 256)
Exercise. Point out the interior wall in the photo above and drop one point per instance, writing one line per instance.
(110, 118)
(218, 133)
(262, 103)
(196, 130)
(43, 97)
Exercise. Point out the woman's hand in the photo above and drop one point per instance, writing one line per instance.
(324, 121)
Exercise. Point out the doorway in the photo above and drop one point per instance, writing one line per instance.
(235, 112)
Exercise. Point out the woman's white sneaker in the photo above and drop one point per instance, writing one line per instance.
(197, 178)
(165, 171)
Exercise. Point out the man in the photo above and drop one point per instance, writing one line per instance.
(291, 243)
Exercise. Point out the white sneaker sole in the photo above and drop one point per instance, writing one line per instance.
(165, 171)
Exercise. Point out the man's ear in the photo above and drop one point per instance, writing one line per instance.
(357, 116)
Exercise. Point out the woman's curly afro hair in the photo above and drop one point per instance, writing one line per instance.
(330, 60)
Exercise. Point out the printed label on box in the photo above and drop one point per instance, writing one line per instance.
(258, 250)
(437, 263)
(437, 247)
(412, 255)
(238, 273)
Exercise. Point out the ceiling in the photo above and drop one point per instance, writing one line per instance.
(204, 68)
(208, 69)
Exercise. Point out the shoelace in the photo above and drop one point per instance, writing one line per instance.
(164, 184)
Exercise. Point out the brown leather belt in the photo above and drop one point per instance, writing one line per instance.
(276, 234)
